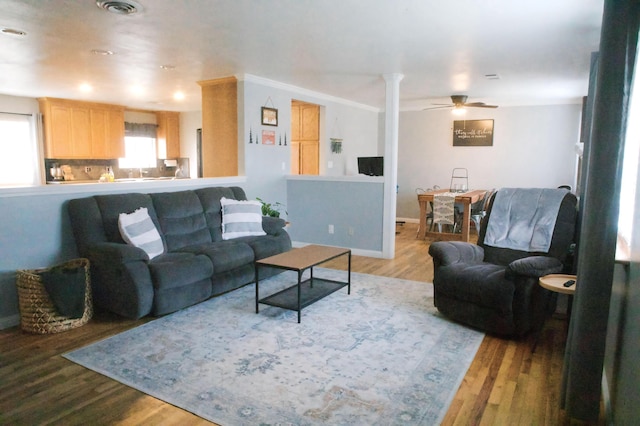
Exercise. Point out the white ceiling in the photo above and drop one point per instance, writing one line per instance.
(540, 49)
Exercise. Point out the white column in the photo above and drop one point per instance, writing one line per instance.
(392, 113)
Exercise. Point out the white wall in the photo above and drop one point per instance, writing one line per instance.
(532, 147)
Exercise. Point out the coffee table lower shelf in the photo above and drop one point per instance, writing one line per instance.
(311, 290)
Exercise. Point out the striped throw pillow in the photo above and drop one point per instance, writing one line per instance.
(138, 230)
(241, 218)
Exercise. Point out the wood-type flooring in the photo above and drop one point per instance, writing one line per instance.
(506, 384)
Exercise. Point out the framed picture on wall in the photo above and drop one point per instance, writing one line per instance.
(269, 116)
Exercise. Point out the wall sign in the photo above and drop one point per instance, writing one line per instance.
(473, 133)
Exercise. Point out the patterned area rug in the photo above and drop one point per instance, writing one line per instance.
(380, 356)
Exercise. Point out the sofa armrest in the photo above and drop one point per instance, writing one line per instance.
(117, 252)
(272, 225)
(534, 266)
(449, 252)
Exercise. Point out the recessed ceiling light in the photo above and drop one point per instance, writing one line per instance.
(13, 32)
(178, 96)
(86, 88)
(120, 7)
(168, 67)
(102, 52)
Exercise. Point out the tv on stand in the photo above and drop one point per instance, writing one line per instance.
(371, 166)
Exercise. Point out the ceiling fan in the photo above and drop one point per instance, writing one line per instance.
(460, 102)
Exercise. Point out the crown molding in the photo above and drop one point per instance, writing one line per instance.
(300, 90)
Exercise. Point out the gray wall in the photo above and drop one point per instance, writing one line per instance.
(354, 208)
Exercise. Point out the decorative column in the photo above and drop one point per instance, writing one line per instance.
(392, 112)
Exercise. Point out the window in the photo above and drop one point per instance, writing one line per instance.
(18, 148)
(139, 146)
(630, 163)
(140, 152)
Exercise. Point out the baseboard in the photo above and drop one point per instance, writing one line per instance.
(357, 252)
(10, 321)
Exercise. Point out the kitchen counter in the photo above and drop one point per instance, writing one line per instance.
(81, 187)
(70, 182)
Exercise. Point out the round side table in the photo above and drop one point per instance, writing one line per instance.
(555, 282)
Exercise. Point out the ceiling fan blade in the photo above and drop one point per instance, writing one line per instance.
(442, 106)
(479, 105)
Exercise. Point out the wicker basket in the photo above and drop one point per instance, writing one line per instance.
(37, 312)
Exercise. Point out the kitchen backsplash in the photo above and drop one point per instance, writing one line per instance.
(88, 170)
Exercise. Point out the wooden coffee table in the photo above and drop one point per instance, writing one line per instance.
(306, 292)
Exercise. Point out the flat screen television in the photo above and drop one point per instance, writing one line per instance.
(371, 166)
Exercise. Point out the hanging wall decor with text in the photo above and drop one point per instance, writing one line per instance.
(473, 133)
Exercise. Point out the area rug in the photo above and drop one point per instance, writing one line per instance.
(379, 356)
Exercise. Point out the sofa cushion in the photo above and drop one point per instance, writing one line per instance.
(138, 230)
(181, 219)
(172, 270)
(224, 255)
(482, 284)
(268, 245)
(241, 218)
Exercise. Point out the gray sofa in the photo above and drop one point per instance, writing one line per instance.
(197, 262)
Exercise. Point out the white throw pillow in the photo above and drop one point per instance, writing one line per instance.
(241, 218)
(138, 230)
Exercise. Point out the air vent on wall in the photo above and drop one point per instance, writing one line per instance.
(121, 7)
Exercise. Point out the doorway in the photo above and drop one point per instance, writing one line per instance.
(305, 138)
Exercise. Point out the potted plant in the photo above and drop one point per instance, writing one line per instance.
(269, 209)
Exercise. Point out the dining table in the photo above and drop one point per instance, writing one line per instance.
(466, 199)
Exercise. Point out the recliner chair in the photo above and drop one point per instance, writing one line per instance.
(495, 288)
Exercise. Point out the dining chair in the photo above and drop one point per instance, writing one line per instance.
(444, 212)
(479, 209)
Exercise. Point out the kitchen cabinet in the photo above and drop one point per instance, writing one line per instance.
(305, 138)
(82, 130)
(168, 134)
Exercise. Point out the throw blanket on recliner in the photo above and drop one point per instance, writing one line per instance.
(524, 218)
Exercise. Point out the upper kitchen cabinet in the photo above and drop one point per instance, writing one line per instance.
(168, 134)
(83, 130)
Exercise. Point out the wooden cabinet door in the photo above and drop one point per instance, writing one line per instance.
(310, 120)
(58, 132)
(107, 134)
(168, 134)
(309, 158)
(81, 133)
(114, 133)
(100, 146)
(295, 121)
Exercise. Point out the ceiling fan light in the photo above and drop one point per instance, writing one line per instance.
(458, 110)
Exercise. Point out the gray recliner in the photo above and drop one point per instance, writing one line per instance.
(493, 288)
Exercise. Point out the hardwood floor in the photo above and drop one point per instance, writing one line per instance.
(506, 383)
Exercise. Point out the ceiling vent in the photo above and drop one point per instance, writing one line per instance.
(121, 7)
